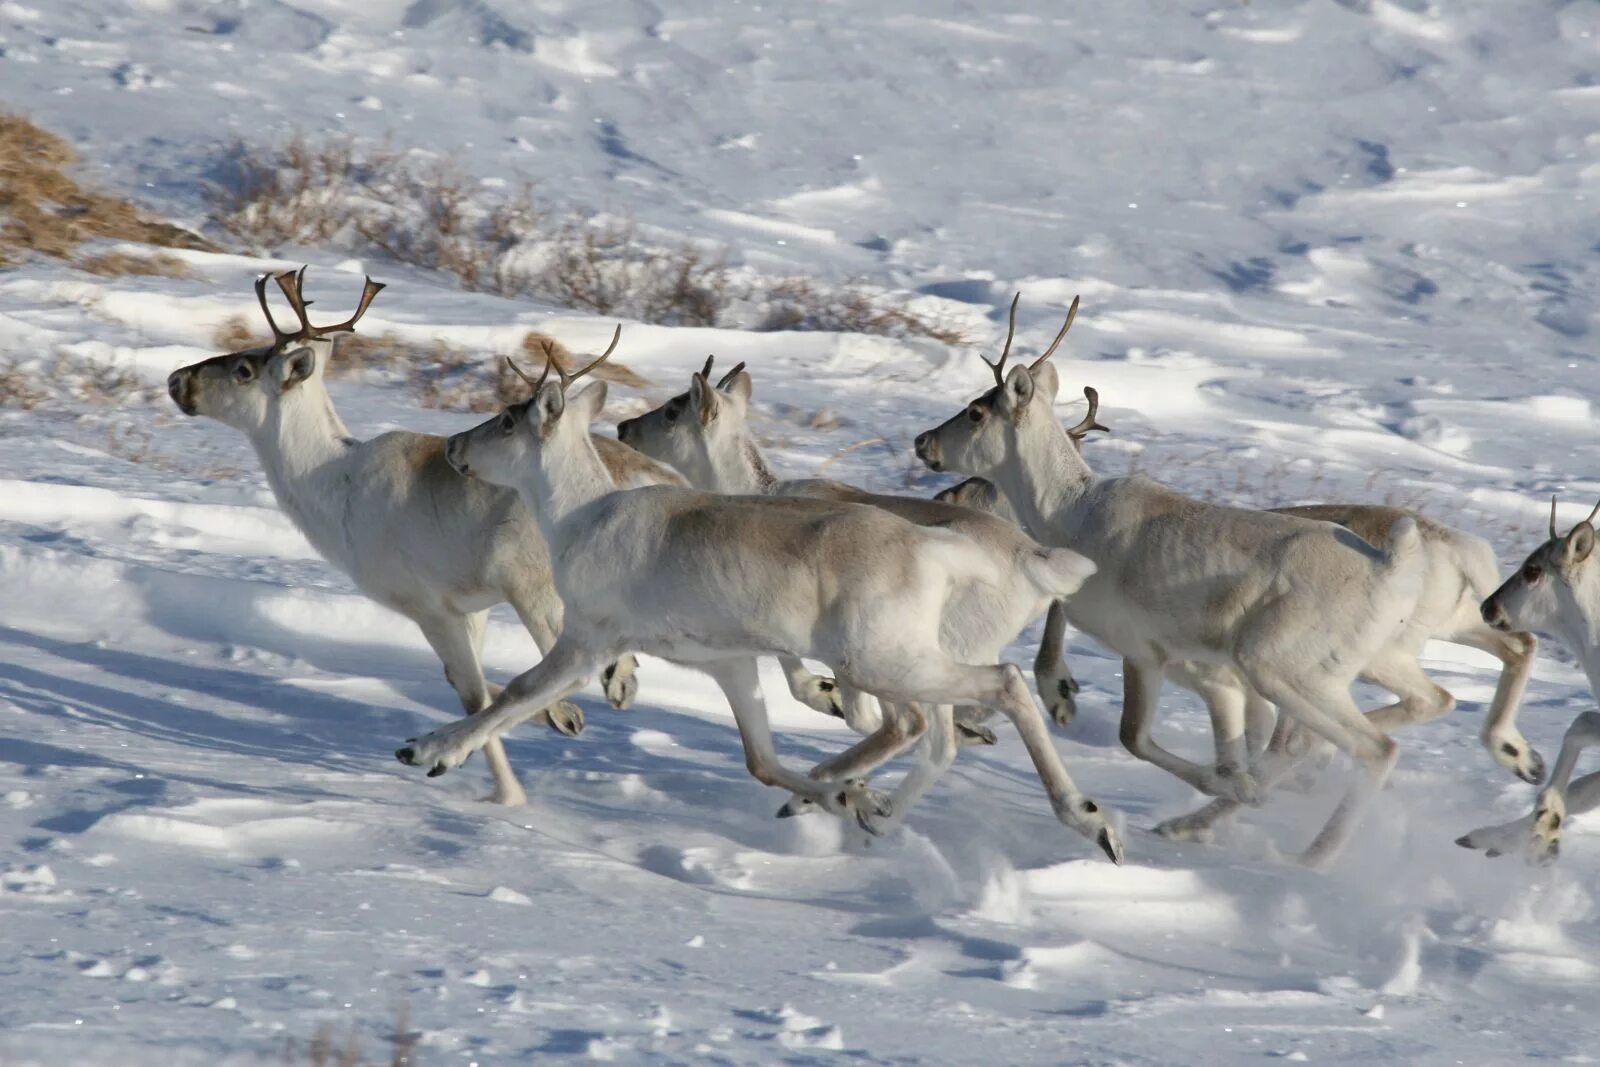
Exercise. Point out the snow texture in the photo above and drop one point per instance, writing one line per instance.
(1327, 250)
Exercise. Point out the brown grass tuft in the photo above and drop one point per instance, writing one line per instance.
(234, 334)
(108, 264)
(44, 210)
(539, 348)
(18, 389)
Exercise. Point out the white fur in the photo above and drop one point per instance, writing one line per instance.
(390, 513)
(1556, 590)
(1294, 607)
(706, 433)
(715, 581)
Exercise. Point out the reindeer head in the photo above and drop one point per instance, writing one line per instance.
(687, 430)
(979, 494)
(1557, 588)
(240, 388)
(505, 449)
(979, 440)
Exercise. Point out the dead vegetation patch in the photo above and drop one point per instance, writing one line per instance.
(425, 211)
(44, 210)
(115, 263)
(803, 304)
(66, 383)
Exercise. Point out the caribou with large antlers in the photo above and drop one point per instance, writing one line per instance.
(715, 581)
(390, 513)
(1295, 607)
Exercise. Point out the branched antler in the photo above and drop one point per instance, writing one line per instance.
(1011, 332)
(1088, 424)
(290, 282)
(566, 379)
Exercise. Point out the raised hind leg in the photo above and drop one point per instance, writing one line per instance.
(812, 690)
(456, 639)
(1420, 699)
(564, 669)
(934, 680)
(1141, 686)
(1325, 707)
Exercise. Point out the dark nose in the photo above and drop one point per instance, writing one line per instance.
(178, 389)
(926, 449)
(625, 429)
(1494, 614)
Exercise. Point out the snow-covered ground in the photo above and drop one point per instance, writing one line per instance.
(1327, 250)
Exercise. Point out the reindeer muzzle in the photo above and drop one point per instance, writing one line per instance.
(927, 449)
(180, 386)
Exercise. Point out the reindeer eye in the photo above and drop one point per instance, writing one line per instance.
(507, 423)
(672, 410)
(243, 372)
(975, 412)
(1532, 572)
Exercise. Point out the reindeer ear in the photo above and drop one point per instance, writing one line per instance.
(1578, 544)
(1046, 381)
(739, 385)
(550, 401)
(702, 398)
(587, 402)
(1019, 388)
(291, 367)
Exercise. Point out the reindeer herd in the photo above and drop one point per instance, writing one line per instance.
(678, 540)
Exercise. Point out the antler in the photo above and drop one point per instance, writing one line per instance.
(290, 282)
(738, 369)
(705, 372)
(1011, 331)
(1088, 424)
(1072, 313)
(278, 336)
(1553, 534)
(567, 379)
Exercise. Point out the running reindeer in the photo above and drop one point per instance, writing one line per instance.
(705, 434)
(1459, 570)
(1294, 607)
(716, 581)
(391, 514)
(1557, 590)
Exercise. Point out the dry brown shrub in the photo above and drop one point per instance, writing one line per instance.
(606, 268)
(419, 210)
(19, 388)
(289, 194)
(44, 210)
(234, 334)
(324, 1050)
(109, 264)
(433, 215)
(802, 304)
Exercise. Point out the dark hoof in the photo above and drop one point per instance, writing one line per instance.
(408, 756)
(1109, 847)
(438, 769)
(976, 735)
(1465, 841)
(787, 811)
